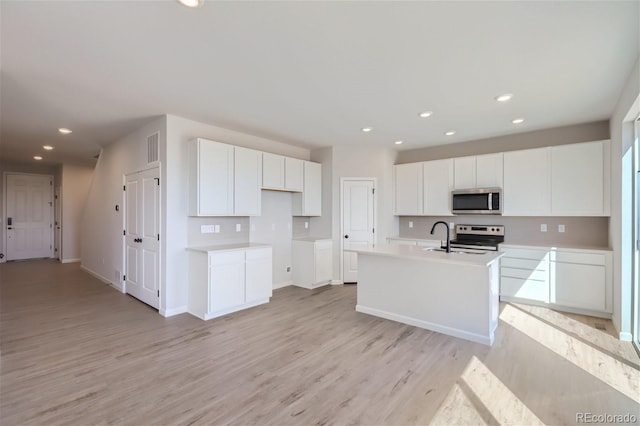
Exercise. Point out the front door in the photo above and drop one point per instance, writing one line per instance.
(358, 225)
(29, 216)
(142, 238)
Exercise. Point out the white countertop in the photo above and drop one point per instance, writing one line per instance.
(419, 253)
(311, 239)
(227, 247)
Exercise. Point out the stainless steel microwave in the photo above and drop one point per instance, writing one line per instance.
(476, 201)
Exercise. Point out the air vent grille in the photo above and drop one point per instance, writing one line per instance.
(153, 143)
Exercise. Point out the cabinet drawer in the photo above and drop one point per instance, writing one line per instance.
(532, 254)
(540, 265)
(524, 273)
(524, 288)
(224, 258)
(261, 253)
(579, 257)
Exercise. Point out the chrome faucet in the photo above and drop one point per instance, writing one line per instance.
(433, 228)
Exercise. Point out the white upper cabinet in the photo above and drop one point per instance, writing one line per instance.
(272, 171)
(293, 174)
(281, 173)
(464, 172)
(489, 170)
(309, 201)
(211, 177)
(527, 183)
(580, 179)
(437, 187)
(480, 171)
(247, 181)
(408, 194)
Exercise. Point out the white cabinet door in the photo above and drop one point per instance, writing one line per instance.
(211, 178)
(489, 171)
(293, 174)
(438, 184)
(309, 202)
(408, 189)
(259, 281)
(272, 171)
(527, 183)
(247, 182)
(226, 280)
(324, 261)
(577, 179)
(579, 286)
(464, 172)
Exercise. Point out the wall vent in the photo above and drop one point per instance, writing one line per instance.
(153, 143)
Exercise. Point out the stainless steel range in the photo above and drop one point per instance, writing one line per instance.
(478, 237)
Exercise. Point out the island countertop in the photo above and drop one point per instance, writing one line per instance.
(423, 253)
(227, 247)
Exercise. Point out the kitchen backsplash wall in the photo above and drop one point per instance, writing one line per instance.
(299, 229)
(579, 231)
(227, 234)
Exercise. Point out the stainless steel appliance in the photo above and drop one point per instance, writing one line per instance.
(478, 237)
(476, 201)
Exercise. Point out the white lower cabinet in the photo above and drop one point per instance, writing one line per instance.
(566, 279)
(224, 280)
(312, 262)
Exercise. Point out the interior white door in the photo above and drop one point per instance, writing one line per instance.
(29, 216)
(358, 222)
(57, 223)
(142, 239)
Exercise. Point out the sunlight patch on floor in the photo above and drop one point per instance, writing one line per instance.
(620, 376)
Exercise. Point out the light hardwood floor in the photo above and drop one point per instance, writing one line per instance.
(75, 351)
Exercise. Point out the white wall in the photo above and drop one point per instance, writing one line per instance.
(18, 167)
(102, 225)
(179, 228)
(274, 227)
(346, 161)
(75, 183)
(620, 225)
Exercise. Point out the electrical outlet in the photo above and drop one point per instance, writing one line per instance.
(452, 226)
(216, 228)
(543, 227)
(207, 229)
(561, 228)
(238, 227)
(410, 224)
(306, 225)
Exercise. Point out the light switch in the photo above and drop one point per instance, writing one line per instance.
(216, 228)
(410, 224)
(238, 227)
(543, 227)
(560, 228)
(306, 225)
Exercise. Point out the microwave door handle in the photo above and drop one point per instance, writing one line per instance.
(490, 201)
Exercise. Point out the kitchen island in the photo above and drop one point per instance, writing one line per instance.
(451, 293)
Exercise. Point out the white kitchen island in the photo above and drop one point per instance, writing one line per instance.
(451, 293)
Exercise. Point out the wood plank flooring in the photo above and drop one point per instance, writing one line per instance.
(75, 351)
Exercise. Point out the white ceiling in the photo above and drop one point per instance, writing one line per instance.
(307, 73)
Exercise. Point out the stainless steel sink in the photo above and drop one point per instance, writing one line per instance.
(452, 251)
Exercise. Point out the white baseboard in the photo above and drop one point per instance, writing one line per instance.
(282, 284)
(455, 332)
(173, 311)
(336, 282)
(70, 260)
(95, 274)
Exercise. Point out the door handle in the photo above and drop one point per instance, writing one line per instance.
(346, 236)
(9, 227)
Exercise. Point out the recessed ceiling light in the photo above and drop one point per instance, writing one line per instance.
(48, 147)
(517, 120)
(504, 98)
(450, 133)
(191, 3)
(64, 131)
(426, 114)
(398, 142)
(37, 157)
(367, 129)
